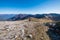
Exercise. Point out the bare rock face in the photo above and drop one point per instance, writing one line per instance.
(21, 30)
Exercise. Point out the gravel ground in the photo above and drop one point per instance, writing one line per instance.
(22, 30)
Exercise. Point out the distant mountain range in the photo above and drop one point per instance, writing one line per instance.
(14, 17)
(4, 17)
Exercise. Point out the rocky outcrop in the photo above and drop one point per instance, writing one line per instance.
(22, 30)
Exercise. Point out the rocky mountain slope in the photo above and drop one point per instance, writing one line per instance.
(23, 30)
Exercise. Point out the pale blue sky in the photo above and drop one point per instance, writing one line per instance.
(29, 6)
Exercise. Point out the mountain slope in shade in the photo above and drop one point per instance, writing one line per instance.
(51, 16)
(55, 17)
(14, 17)
(25, 16)
(19, 17)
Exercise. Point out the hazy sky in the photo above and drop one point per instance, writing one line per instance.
(29, 6)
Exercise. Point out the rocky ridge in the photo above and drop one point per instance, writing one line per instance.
(22, 30)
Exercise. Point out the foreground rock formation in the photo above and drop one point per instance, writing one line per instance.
(23, 30)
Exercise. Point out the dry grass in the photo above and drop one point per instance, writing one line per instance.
(43, 20)
(41, 33)
(33, 19)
